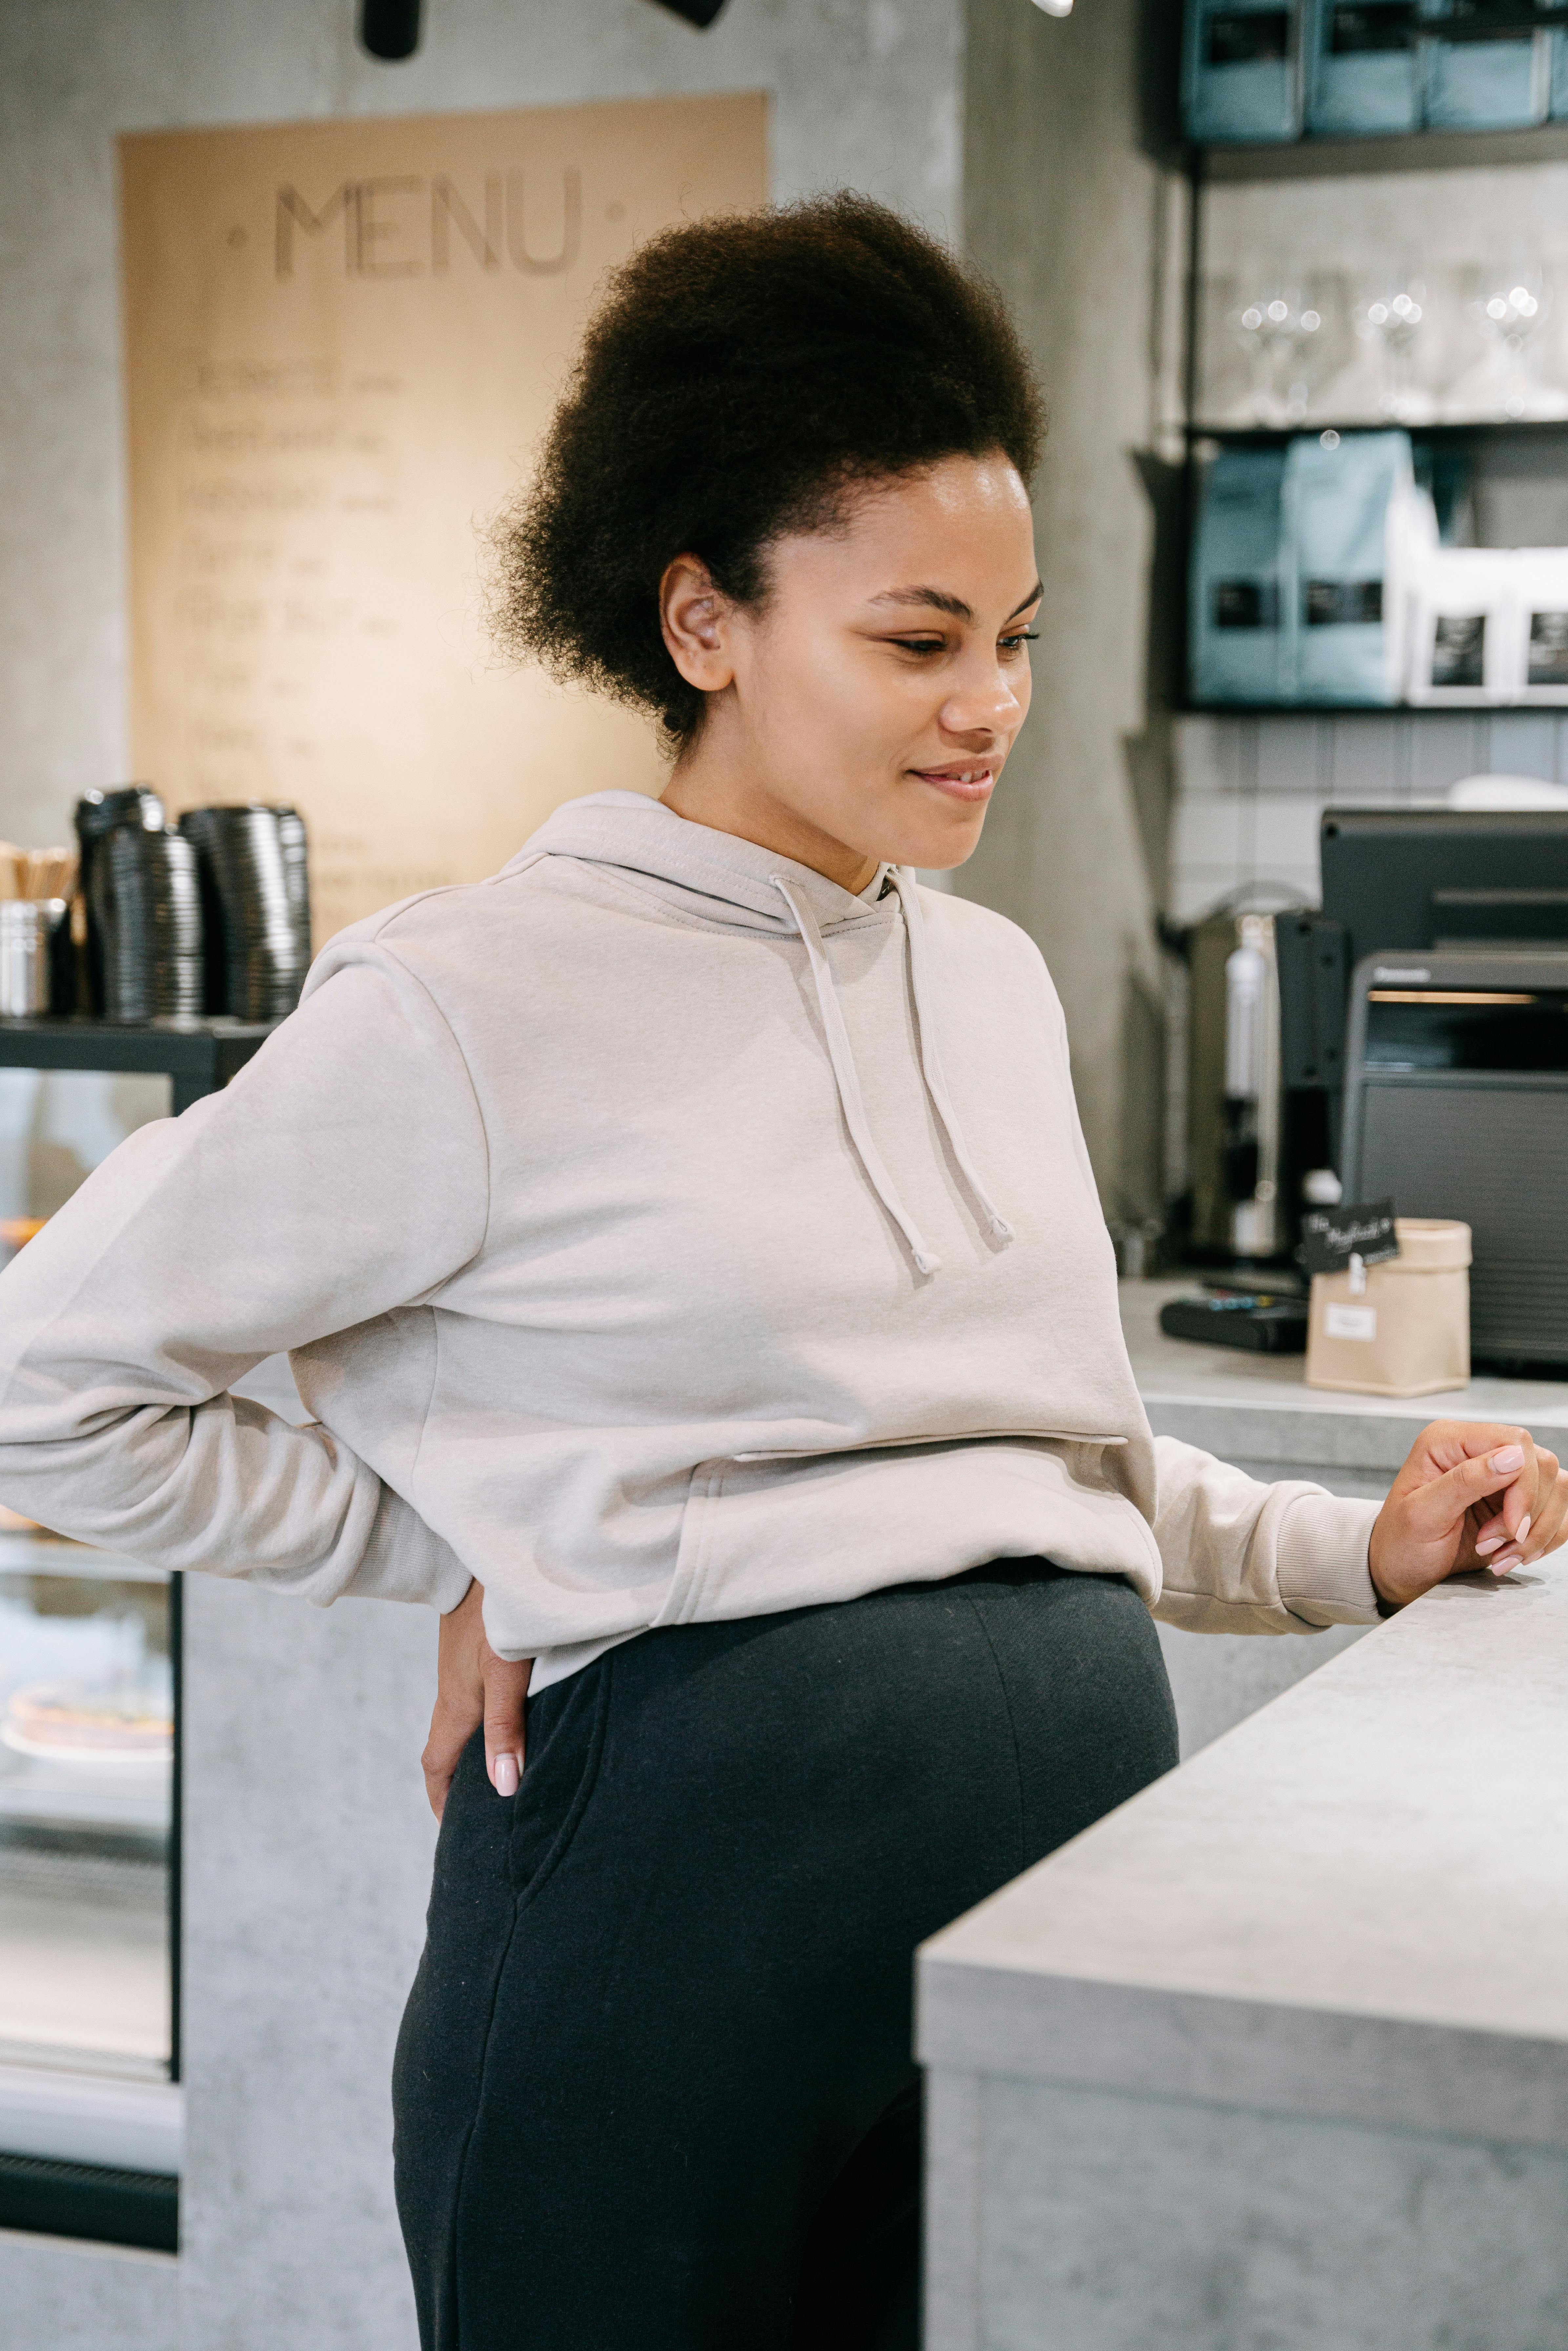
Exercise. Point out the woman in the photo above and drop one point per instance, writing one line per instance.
(687, 1245)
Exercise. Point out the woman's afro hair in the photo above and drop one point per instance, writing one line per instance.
(743, 376)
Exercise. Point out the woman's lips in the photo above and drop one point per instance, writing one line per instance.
(971, 783)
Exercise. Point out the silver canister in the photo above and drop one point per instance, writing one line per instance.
(28, 928)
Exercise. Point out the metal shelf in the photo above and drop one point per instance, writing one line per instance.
(1410, 150)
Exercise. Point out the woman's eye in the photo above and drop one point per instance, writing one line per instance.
(921, 644)
(1019, 637)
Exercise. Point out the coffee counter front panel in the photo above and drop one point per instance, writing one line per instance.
(1277, 2053)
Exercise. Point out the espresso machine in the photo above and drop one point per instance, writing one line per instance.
(1265, 1062)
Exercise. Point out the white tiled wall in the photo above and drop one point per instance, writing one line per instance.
(1249, 791)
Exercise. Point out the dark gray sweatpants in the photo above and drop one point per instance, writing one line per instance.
(653, 2089)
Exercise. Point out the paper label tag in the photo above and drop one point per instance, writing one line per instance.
(1251, 37)
(1548, 649)
(1246, 604)
(1341, 604)
(1350, 1321)
(1330, 1237)
(1460, 649)
(1372, 26)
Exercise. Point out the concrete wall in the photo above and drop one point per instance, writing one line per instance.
(1069, 201)
(865, 92)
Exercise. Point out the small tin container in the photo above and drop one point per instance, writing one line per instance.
(28, 928)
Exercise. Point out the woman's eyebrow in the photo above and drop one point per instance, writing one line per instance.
(939, 600)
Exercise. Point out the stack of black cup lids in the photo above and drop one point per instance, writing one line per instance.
(256, 954)
(98, 814)
(295, 846)
(148, 903)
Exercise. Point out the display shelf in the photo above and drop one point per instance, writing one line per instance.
(1501, 450)
(199, 1055)
(1453, 433)
(1408, 150)
(1193, 709)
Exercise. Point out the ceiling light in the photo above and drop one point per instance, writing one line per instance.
(389, 29)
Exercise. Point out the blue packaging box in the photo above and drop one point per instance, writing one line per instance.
(1241, 70)
(1486, 65)
(1235, 602)
(1343, 502)
(1363, 66)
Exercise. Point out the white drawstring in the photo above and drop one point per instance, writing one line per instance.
(842, 1059)
(930, 1062)
(849, 1084)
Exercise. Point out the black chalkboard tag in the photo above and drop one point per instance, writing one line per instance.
(1331, 1236)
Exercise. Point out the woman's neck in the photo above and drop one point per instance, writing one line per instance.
(711, 787)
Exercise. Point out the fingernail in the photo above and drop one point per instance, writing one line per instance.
(1492, 1542)
(1510, 1458)
(505, 1775)
(1524, 1530)
(1501, 1566)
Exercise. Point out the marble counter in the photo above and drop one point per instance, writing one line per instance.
(1258, 1412)
(1276, 2057)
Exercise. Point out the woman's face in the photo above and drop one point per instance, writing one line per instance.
(864, 710)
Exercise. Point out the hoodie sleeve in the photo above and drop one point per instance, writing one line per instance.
(1239, 1556)
(299, 1202)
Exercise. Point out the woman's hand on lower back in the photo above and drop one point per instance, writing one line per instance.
(474, 1686)
(1471, 1494)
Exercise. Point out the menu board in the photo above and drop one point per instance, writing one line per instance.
(344, 341)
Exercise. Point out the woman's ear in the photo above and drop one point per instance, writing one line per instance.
(694, 619)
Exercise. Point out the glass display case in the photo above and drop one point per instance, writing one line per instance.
(89, 1744)
(87, 1690)
(87, 1811)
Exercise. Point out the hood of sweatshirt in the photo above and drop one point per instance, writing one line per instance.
(715, 876)
(720, 878)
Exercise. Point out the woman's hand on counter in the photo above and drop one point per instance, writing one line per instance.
(474, 1686)
(1471, 1494)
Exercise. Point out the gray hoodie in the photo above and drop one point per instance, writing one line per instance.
(658, 1232)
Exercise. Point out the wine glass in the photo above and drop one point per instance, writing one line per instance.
(1390, 313)
(1510, 307)
(1276, 327)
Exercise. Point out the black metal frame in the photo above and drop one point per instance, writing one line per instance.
(78, 2200)
(89, 2199)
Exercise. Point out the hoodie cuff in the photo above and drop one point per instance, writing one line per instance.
(405, 1560)
(1322, 1568)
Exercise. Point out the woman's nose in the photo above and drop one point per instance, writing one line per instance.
(983, 705)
